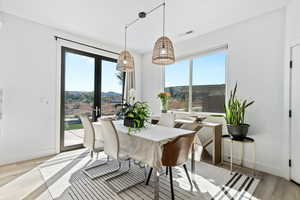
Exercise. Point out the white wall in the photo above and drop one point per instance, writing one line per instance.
(256, 58)
(293, 16)
(29, 75)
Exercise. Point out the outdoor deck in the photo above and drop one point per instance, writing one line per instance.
(73, 137)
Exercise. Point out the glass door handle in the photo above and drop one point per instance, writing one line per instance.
(97, 110)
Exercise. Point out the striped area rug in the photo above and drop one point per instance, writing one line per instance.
(237, 187)
(65, 180)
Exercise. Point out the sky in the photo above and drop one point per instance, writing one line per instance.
(80, 71)
(79, 75)
(207, 70)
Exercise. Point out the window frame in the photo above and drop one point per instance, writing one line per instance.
(208, 52)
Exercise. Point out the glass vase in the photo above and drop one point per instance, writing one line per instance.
(164, 105)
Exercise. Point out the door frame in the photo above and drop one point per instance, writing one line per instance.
(290, 91)
(97, 90)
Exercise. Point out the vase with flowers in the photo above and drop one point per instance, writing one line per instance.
(164, 99)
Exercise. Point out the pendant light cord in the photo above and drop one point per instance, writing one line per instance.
(164, 17)
(136, 20)
(126, 37)
(164, 20)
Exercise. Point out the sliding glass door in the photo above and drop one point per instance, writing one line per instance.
(111, 88)
(90, 84)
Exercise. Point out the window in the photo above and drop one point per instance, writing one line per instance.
(197, 84)
(176, 83)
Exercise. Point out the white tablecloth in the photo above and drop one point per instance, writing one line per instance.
(146, 145)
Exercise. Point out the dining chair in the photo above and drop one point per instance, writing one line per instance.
(167, 120)
(114, 149)
(176, 153)
(112, 144)
(91, 141)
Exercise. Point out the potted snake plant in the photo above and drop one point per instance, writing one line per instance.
(235, 111)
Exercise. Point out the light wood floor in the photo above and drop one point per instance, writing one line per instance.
(270, 188)
(273, 187)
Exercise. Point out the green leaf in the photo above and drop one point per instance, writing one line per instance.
(249, 104)
(235, 109)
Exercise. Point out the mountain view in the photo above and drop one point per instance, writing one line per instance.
(77, 102)
(205, 98)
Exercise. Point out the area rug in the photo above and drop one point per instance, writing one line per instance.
(65, 180)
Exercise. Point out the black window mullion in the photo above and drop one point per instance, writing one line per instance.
(97, 92)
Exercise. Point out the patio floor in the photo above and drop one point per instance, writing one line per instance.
(73, 137)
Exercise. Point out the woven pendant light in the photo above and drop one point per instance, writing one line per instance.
(163, 52)
(125, 60)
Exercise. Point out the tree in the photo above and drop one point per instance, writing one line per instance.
(120, 76)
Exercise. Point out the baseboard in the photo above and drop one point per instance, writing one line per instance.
(259, 166)
(39, 154)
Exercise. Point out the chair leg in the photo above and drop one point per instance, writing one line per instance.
(187, 174)
(97, 155)
(91, 153)
(118, 175)
(171, 183)
(145, 172)
(167, 171)
(129, 164)
(149, 176)
(115, 176)
(85, 170)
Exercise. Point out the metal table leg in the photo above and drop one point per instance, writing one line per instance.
(231, 156)
(193, 160)
(156, 183)
(222, 151)
(254, 158)
(242, 157)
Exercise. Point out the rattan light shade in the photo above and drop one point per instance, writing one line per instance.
(125, 62)
(163, 52)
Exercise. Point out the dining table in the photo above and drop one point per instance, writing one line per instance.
(146, 145)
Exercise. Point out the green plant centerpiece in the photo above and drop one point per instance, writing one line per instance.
(235, 111)
(164, 99)
(136, 115)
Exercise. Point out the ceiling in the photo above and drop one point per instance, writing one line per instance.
(104, 20)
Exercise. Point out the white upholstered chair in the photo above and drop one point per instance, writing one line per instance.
(113, 149)
(167, 119)
(112, 144)
(91, 141)
(111, 141)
